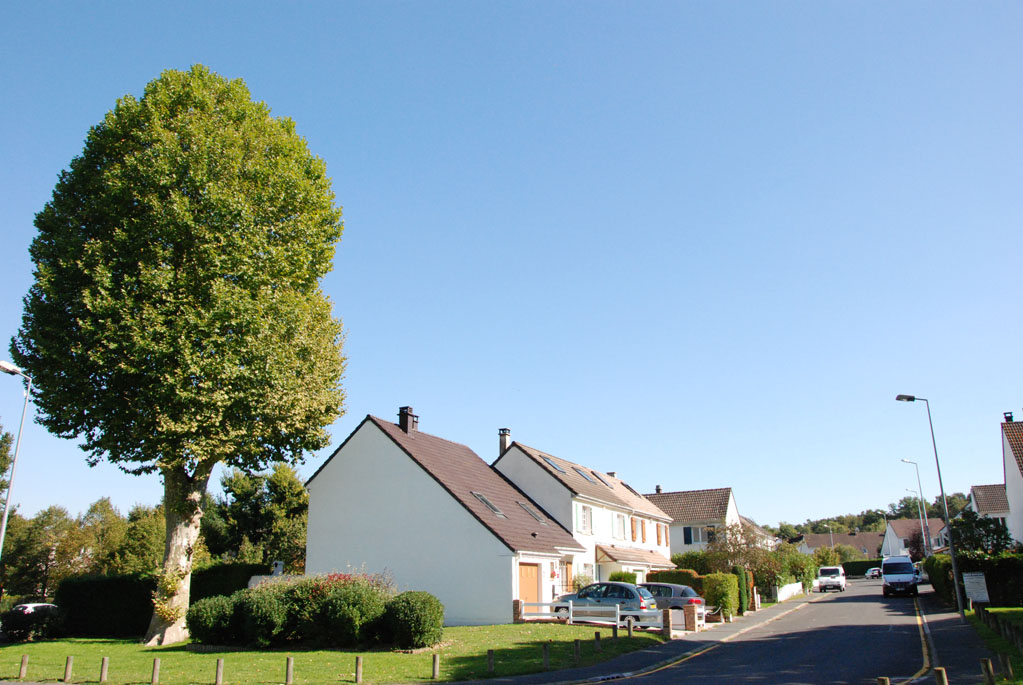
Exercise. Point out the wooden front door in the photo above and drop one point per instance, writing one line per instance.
(529, 582)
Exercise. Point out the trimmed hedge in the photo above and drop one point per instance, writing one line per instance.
(1003, 573)
(722, 590)
(44, 622)
(860, 566)
(415, 619)
(623, 577)
(683, 576)
(740, 575)
(223, 579)
(939, 570)
(211, 620)
(106, 606)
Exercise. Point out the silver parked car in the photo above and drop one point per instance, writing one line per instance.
(627, 596)
(672, 595)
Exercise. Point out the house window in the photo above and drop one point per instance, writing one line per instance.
(532, 512)
(711, 535)
(488, 504)
(585, 520)
(687, 535)
(619, 529)
(697, 534)
(642, 525)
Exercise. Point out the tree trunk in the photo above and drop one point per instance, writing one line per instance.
(182, 495)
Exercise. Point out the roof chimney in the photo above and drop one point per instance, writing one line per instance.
(408, 421)
(657, 489)
(504, 440)
(612, 474)
(1008, 416)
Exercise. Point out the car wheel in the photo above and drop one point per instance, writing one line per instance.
(561, 612)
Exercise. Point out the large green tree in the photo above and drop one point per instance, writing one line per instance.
(176, 319)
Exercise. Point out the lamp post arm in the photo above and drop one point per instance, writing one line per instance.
(14, 465)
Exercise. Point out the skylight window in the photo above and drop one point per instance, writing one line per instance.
(584, 474)
(601, 479)
(532, 512)
(553, 465)
(488, 504)
(629, 488)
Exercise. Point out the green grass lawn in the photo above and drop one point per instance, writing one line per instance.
(996, 643)
(517, 649)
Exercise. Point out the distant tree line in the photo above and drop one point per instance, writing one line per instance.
(872, 520)
(260, 518)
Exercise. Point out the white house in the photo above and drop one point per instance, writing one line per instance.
(1012, 462)
(990, 501)
(697, 516)
(619, 529)
(900, 531)
(436, 517)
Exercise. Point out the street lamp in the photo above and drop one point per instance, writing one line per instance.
(831, 533)
(13, 370)
(923, 535)
(920, 491)
(956, 578)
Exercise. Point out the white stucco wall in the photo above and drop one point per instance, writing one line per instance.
(1013, 492)
(534, 480)
(373, 509)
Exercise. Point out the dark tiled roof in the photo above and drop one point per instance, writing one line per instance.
(904, 527)
(461, 472)
(990, 499)
(693, 505)
(615, 492)
(633, 555)
(870, 541)
(1014, 435)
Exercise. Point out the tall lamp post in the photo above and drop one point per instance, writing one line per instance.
(13, 370)
(956, 578)
(919, 511)
(832, 534)
(920, 491)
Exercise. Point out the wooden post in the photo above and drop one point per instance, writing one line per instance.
(666, 623)
(614, 632)
(67, 668)
(220, 672)
(289, 671)
(547, 656)
(629, 626)
(988, 669)
(358, 669)
(516, 611)
(490, 660)
(23, 673)
(578, 652)
(104, 666)
(940, 676)
(883, 680)
(436, 666)
(156, 671)
(1006, 663)
(596, 641)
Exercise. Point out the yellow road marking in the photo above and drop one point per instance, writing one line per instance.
(923, 642)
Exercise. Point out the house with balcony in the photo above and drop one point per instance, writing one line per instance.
(436, 517)
(697, 516)
(619, 529)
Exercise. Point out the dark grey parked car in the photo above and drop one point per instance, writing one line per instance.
(672, 595)
(629, 597)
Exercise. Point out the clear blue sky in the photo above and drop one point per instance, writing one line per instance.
(701, 244)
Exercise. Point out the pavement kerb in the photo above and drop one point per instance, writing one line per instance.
(695, 651)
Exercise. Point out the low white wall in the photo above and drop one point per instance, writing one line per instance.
(787, 591)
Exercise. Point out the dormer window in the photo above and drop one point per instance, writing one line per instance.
(488, 504)
(554, 466)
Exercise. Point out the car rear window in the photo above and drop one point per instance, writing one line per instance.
(829, 571)
(644, 593)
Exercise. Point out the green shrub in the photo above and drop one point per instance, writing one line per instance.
(860, 566)
(352, 613)
(722, 590)
(44, 622)
(939, 570)
(697, 561)
(740, 575)
(106, 606)
(415, 619)
(264, 614)
(623, 577)
(223, 579)
(1003, 573)
(683, 576)
(211, 621)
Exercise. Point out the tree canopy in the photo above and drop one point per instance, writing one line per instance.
(176, 319)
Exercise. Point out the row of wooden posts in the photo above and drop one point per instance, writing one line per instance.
(987, 669)
(289, 668)
(1012, 632)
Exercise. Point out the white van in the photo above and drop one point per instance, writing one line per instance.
(899, 577)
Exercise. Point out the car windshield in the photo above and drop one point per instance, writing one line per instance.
(829, 571)
(899, 567)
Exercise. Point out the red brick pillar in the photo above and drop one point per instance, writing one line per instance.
(517, 611)
(689, 611)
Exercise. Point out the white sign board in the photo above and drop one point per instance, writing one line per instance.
(976, 587)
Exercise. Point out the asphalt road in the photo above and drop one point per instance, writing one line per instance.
(841, 637)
